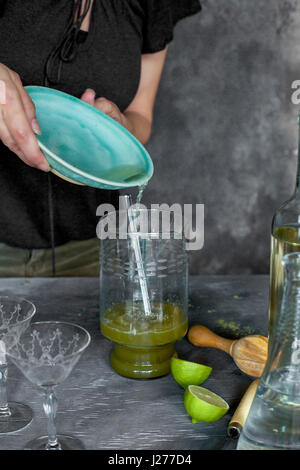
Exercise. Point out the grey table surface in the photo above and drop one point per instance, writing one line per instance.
(107, 411)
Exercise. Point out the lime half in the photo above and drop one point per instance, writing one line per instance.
(204, 405)
(189, 373)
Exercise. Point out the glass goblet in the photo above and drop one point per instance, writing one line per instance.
(15, 316)
(46, 354)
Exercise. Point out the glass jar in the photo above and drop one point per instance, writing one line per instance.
(147, 261)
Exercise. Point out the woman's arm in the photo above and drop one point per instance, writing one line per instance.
(137, 118)
(139, 114)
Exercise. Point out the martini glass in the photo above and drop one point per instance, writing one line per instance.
(15, 316)
(46, 354)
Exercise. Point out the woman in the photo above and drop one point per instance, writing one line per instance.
(111, 54)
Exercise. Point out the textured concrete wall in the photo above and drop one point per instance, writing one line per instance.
(225, 131)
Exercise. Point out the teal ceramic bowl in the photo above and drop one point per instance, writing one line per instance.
(85, 146)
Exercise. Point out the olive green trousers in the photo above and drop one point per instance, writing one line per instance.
(75, 258)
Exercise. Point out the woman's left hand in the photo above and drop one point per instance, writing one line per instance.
(104, 105)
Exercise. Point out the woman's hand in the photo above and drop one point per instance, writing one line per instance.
(18, 123)
(137, 118)
(132, 121)
(106, 106)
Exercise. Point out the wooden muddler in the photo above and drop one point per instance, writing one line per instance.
(249, 353)
(241, 413)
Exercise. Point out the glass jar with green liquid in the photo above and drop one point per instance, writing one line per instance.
(285, 238)
(143, 290)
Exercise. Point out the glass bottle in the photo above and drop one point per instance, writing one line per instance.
(274, 418)
(285, 238)
(135, 263)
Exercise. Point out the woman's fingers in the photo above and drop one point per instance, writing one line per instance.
(109, 108)
(104, 105)
(27, 103)
(20, 131)
(89, 96)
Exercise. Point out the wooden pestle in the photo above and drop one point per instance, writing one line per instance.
(249, 353)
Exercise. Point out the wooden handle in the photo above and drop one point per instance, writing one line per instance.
(202, 336)
(241, 413)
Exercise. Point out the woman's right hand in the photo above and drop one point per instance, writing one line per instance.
(18, 123)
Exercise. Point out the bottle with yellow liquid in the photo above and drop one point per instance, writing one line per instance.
(143, 290)
(285, 238)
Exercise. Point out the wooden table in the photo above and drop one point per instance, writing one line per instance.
(111, 412)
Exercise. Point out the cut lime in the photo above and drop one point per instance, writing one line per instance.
(204, 405)
(189, 373)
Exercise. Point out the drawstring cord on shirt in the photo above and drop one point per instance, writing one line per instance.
(51, 220)
(67, 48)
(65, 52)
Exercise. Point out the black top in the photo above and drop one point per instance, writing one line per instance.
(108, 60)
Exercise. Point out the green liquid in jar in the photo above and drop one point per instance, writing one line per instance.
(144, 345)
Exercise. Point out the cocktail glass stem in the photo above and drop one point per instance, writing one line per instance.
(50, 408)
(4, 409)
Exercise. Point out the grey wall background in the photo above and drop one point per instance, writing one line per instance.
(225, 131)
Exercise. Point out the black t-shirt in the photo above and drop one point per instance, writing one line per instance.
(108, 61)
